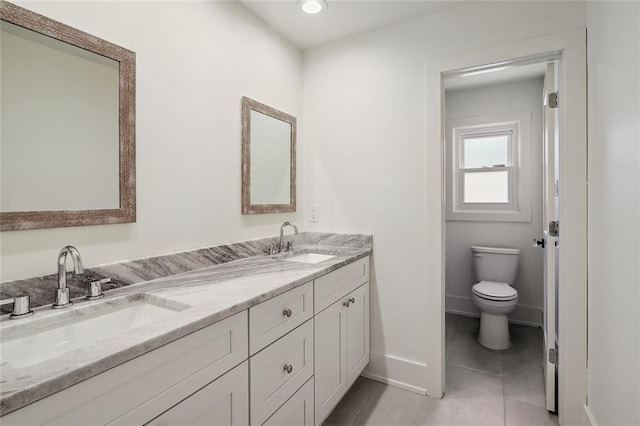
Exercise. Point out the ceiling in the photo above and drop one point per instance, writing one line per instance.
(342, 18)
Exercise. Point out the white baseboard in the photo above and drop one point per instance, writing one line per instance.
(398, 372)
(588, 417)
(525, 315)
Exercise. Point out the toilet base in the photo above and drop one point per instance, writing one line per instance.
(494, 331)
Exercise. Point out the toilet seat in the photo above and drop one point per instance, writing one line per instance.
(491, 290)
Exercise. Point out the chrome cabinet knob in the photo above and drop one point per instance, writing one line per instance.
(288, 368)
(352, 300)
(287, 313)
(346, 304)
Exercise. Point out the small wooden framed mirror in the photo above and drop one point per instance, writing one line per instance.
(268, 159)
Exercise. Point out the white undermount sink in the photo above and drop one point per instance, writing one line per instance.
(50, 341)
(311, 258)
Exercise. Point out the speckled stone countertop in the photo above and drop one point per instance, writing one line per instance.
(203, 296)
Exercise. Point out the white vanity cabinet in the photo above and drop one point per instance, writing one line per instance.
(341, 338)
(286, 361)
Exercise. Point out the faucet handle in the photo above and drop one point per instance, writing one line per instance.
(21, 308)
(289, 246)
(95, 288)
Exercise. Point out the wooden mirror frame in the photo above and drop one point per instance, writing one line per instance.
(126, 213)
(249, 105)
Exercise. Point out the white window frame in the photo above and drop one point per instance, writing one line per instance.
(518, 127)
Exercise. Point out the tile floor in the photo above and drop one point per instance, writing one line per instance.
(484, 387)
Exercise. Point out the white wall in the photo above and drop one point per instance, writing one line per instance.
(364, 111)
(195, 60)
(613, 45)
(510, 97)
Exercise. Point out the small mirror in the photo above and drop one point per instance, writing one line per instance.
(268, 159)
(68, 130)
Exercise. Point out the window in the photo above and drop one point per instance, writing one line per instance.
(488, 179)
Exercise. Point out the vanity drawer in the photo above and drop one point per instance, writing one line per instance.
(279, 371)
(331, 287)
(274, 318)
(297, 411)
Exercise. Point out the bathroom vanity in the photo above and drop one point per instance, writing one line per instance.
(263, 340)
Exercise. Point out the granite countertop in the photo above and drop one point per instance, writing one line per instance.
(203, 297)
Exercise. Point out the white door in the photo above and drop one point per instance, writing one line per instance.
(551, 243)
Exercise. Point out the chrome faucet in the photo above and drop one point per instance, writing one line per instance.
(289, 246)
(62, 294)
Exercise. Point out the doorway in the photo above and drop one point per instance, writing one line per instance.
(499, 157)
(570, 50)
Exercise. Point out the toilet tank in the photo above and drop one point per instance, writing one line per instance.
(495, 264)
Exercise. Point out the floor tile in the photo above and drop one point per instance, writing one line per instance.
(526, 348)
(353, 402)
(525, 385)
(468, 323)
(395, 406)
(467, 352)
(468, 411)
(518, 413)
(463, 383)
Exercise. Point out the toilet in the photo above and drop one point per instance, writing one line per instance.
(493, 294)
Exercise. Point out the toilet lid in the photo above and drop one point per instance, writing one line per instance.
(494, 291)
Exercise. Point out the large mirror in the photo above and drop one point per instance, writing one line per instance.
(268, 159)
(67, 153)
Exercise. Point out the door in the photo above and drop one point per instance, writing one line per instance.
(330, 359)
(551, 241)
(357, 333)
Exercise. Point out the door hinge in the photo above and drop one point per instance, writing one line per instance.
(554, 228)
(552, 100)
(553, 356)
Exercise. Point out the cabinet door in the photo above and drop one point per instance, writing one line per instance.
(330, 358)
(357, 333)
(224, 401)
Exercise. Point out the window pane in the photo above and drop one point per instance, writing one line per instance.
(486, 187)
(486, 151)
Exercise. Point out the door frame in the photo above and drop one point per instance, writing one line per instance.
(570, 48)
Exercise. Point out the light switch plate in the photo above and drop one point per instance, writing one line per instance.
(315, 213)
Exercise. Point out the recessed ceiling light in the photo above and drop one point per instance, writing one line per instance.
(312, 6)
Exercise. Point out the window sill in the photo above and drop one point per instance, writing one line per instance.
(475, 216)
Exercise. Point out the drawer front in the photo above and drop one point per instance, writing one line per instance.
(226, 349)
(297, 411)
(147, 385)
(274, 318)
(279, 371)
(224, 402)
(331, 287)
